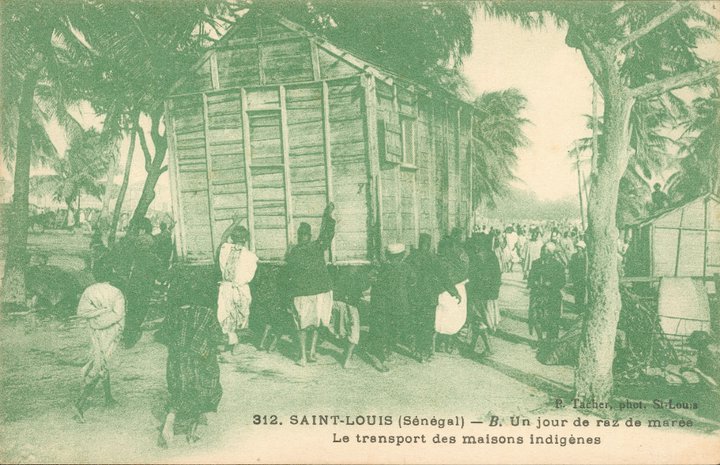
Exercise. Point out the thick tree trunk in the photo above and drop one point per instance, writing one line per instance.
(154, 168)
(13, 286)
(147, 196)
(124, 186)
(593, 377)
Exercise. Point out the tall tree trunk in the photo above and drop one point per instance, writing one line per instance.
(153, 166)
(13, 286)
(593, 376)
(124, 186)
(112, 170)
(147, 196)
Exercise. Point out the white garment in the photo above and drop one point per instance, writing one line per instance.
(238, 266)
(450, 315)
(102, 305)
(313, 310)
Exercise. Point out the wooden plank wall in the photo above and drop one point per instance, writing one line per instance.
(391, 220)
(441, 166)
(225, 141)
(272, 127)
(427, 175)
(349, 168)
(189, 147)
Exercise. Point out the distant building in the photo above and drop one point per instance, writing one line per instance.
(680, 241)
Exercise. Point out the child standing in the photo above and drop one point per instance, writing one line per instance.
(102, 305)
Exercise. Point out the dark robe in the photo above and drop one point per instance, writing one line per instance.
(484, 276)
(137, 267)
(306, 271)
(163, 247)
(546, 280)
(390, 306)
(192, 334)
(430, 281)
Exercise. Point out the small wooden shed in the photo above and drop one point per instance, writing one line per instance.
(274, 122)
(681, 242)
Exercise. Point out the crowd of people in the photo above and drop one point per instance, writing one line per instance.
(415, 302)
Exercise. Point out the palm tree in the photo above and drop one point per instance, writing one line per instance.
(636, 52)
(651, 123)
(80, 171)
(425, 41)
(145, 48)
(40, 44)
(497, 135)
(698, 170)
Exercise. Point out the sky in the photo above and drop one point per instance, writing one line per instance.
(558, 87)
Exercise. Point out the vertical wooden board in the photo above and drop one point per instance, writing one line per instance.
(407, 205)
(375, 238)
(178, 231)
(390, 205)
(286, 166)
(441, 157)
(192, 191)
(713, 250)
(246, 162)
(348, 168)
(214, 234)
(425, 158)
(713, 214)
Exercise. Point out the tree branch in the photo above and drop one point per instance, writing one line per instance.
(155, 118)
(163, 169)
(159, 140)
(145, 149)
(662, 86)
(658, 20)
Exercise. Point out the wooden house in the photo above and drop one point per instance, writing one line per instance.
(680, 242)
(274, 122)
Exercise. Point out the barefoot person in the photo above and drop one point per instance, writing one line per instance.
(483, 289)
(102, 305)
(390, 305)
(237, 265)
(192, 335)
(137, 267)
(451, 311)
(309, 283)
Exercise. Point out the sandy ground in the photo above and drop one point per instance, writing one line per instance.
(40, 379)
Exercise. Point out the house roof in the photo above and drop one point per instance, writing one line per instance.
(662, 213)
(353, 58)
